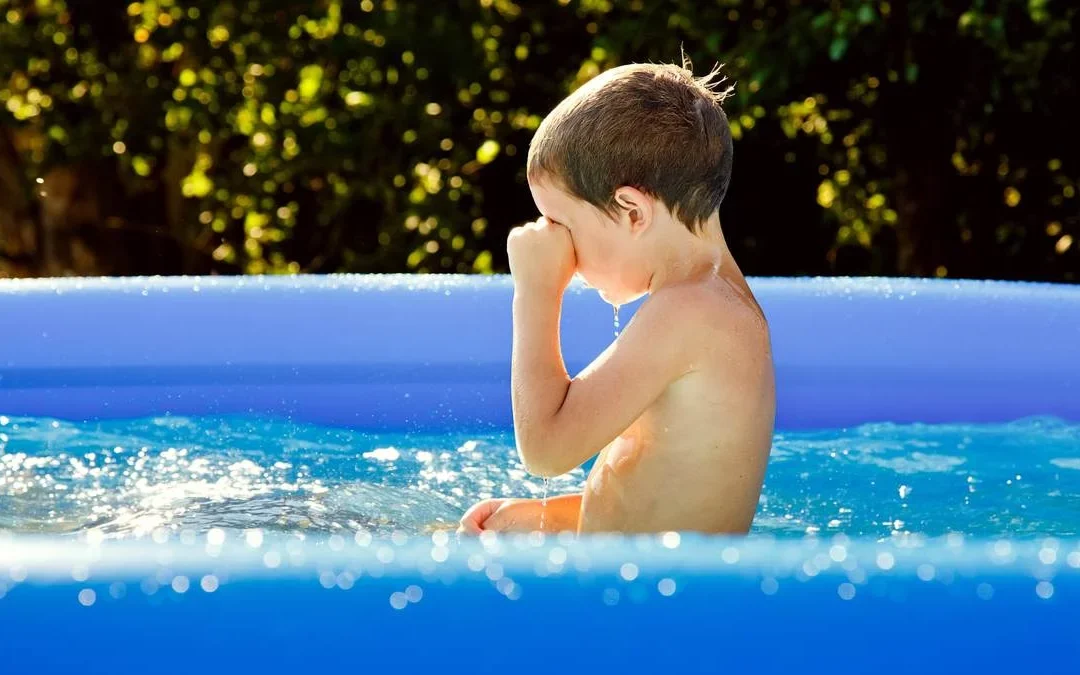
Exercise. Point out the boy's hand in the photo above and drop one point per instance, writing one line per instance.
(541, 257)
(500, 515)
(473, 520)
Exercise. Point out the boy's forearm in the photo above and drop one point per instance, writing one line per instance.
(539, 381)
(562, 513)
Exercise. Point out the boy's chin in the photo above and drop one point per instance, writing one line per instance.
(618, 299)
(611, 298)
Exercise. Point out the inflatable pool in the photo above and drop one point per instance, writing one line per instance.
(923, 512)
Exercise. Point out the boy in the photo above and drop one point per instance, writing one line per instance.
(629, 172)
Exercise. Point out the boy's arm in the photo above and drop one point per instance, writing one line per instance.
(560, 514)
(559, 423)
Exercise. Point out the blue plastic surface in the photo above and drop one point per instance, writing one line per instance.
(735, 606)
(409, 352)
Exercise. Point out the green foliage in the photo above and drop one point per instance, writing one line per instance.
(363, 135)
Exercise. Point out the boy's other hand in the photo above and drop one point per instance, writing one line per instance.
(500, 515)
(472, 522)
(542, 257)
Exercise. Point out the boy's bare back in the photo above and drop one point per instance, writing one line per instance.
(695, 459)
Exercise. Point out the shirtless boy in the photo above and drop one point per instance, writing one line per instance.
(628, 173)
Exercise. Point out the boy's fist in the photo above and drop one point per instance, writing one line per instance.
(541, 257)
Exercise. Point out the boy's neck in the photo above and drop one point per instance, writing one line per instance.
(682, 256)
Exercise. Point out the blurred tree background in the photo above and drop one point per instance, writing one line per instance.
(933, 138)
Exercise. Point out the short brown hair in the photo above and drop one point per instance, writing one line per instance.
(654, 127)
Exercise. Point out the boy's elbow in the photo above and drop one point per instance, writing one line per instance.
(541, 458)
(537, 464)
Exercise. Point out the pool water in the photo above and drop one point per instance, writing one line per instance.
(138, 477)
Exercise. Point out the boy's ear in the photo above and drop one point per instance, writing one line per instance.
(636, 208)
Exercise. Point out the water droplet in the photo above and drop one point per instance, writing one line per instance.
(666, 587)
(885, 560)
(543, 503)
(254, 538)
(1044, 589)
(769, 586)
(611, 597)
(87, 596)
(215, 537)
(557, 555)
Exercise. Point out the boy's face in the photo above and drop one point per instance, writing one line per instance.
(608, 257)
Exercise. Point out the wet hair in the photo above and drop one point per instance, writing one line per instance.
(653, 127)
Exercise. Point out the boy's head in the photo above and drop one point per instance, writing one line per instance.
(635, 143)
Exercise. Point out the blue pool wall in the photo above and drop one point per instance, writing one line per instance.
(728, 606)
(410, 352)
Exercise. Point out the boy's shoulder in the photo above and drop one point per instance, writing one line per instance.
(707, 310)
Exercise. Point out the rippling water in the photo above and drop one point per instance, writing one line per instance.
(134, 476)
